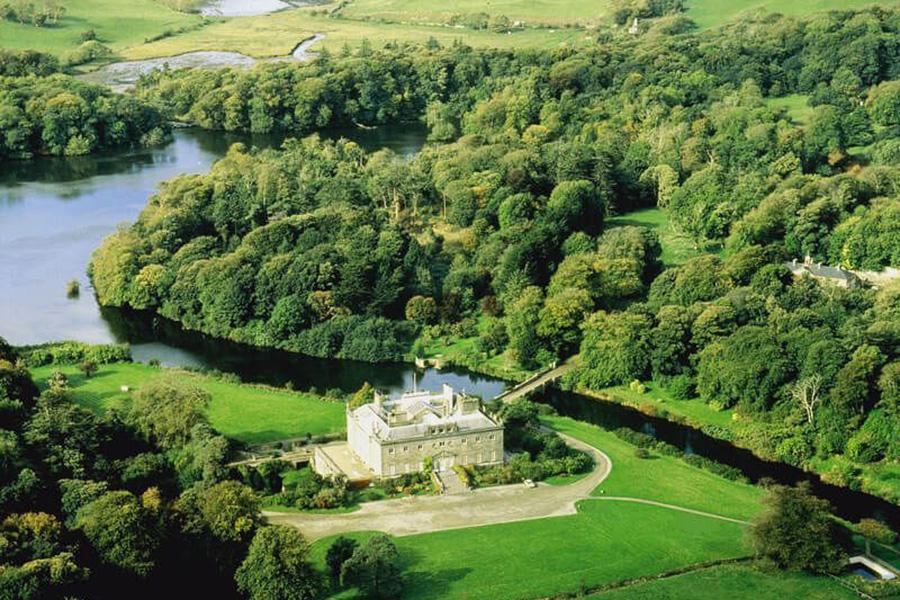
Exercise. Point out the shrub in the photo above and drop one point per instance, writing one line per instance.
(719, 432)
(88, 367)
(88, 51)
(73, 353)
(681, 387)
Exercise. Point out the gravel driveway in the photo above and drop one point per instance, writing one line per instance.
(487, 506)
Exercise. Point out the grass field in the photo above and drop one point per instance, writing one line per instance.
(118, 24)
(796, 106)
(603, 543)
(676, 247)
(126, 27)
(710, 13)
(554, 12)
(276, 35)
(735, 582)
(663, 478)
(249, 413)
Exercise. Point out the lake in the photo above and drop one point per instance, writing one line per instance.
(55, 211)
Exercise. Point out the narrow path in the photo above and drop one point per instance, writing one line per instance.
(487, 506)
(670, 506)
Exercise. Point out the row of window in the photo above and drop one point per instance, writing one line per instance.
(443, 463)
(442, 443)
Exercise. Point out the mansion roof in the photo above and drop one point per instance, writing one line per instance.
(419, 414)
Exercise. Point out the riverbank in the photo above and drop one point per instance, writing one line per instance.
(727, 425)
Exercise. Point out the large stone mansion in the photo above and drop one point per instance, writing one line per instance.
(393, 436)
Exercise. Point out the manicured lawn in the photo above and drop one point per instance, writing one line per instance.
(605, 542)
(277, 34)
(676, 247)
(248, 413)
(555, 12)
(710, 13)
(735, 582)
(663, 478)
(118, 24)
(795, 105)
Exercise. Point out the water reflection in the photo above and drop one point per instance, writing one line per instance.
(55, 211)
(153, 337)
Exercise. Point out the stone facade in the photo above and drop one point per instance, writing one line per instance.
(394, 436)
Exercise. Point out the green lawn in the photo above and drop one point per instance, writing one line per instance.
(603, 543)
(118, 24)
(607, 541)
(710, 13)
(676, 247)
(734, 582)
(796, 106)
(248, 413)
(663, 478)
(276, 35)
(554, 12)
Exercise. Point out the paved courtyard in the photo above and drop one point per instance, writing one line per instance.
(421, 514)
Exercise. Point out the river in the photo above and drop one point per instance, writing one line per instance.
(54, 212)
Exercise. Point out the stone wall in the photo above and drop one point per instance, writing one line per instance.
(481, 447)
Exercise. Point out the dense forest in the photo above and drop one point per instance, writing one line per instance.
(498, 229)
(43, 112)
(139, 501)
(125, 505)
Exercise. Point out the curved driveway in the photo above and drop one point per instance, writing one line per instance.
(487, 506)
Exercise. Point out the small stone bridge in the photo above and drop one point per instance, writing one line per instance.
(536, 381)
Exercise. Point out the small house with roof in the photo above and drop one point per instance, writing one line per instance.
(393, 436)
(824, 273)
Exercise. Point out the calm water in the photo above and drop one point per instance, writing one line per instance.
(153, 337)
(55, 212)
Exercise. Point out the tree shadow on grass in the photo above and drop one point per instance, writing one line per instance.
(430, 584)
(626, 222)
